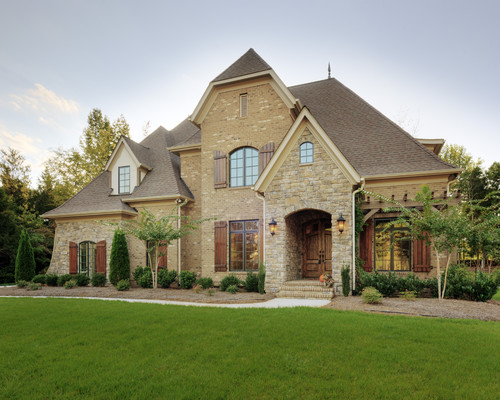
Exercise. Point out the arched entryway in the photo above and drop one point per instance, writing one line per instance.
(309, 243)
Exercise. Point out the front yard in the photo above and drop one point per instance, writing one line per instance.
(68, 348)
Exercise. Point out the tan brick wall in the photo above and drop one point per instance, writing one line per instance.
(268, 120)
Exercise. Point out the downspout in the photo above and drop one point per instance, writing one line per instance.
(354, 233)
(449, 184)
(179, 203)
(260, 196)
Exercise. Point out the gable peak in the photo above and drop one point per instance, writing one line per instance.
(248, 63)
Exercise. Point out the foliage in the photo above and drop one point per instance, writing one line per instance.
(62, 279)
(390, 284)
(25, 260)
(22, 283)
(51, 279)
(409, 295)
(98, 280)
(166, 277)
(232, 289)
(81, 279)
(146, 279)
(119, 262)
(251, 282)
(346, 280)
(70, 284)
(465, 284)
(39, 279)
(187, 279)
(228, 281)
(138, 271)
(210, 292)
(205, 283)
(122, 285)
(34, 286)
(262, 278)
(370, 295)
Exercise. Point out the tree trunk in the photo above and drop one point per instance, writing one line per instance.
(438, 275)
(446, 274)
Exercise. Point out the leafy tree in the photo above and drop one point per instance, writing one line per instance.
(25, 260)
(9, 237)
(119, 262)
(14, 175)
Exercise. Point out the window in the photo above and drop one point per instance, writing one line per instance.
(87, 264)
(392, 246)
(306, 153)
(243, 105)
(244, 167)
(124, 179)
(244, 245)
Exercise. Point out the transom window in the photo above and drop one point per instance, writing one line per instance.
(124, 179)
(244, 245)
(87, 257)
(243, 105)
(244, 167)
(392, 246)
(306, 153)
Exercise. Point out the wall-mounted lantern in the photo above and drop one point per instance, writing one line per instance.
(341, 224)
(273, 226)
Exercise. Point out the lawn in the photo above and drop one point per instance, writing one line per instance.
(497, 296)
(69, 348)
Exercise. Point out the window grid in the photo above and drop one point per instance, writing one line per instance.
(124, 179)
(244, 167)
(244, 245)
(87, 258)
(392, 246)
(306, 153)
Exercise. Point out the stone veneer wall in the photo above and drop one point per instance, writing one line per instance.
(316, 186)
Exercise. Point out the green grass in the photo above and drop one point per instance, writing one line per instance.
(497, 296)
(68, 348)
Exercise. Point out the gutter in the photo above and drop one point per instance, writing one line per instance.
(261, 197)
(354, 234)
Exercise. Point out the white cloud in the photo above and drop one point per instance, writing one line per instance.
(43, 100)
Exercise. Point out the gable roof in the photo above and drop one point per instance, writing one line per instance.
(248, 63)
(373, 144)
(186, 134)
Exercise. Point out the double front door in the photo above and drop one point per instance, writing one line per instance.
(317, 251)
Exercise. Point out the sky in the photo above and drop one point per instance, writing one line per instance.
(431, 66)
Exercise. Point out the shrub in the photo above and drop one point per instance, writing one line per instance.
(62, 279)
(210, 292)
(51, 279)
(432, 285)
(232, 289)
(408, 295)
(462, 283)
(25, 259)
(346, 280)
(81, 280)
(122, 285)
(251, 283)
(70, 284)
(228, 281)
(146, 279)
(387, 284)
(34, 286)
(187, 279)
(39, 279)
(198, 289)
(410, 283)
(166, 277)
(119, 262)
(138, 273)
(7, 277)
(21, 283)
(98, 280)
(205, 283)
(370, 295)
(262, 278)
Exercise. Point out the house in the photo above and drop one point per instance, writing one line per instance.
(255, 151)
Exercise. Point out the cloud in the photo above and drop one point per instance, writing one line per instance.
(43, 100)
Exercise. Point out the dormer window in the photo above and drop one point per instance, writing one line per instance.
(243, 105)
(124, 179)
(306, 153)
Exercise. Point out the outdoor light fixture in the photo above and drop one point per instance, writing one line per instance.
(273, 226)
(341, 223)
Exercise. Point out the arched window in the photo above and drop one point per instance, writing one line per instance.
(86, 260)
(244, 167)
(306, 153)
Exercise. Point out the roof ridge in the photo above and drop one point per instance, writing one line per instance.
(137, 143)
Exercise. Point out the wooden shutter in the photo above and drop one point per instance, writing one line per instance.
(163, 259)
(366, 246)
(100, 257)
(265, 154)
(261, 241)
(220, 169)
(73, 258)
(421, 256)
(220, 236)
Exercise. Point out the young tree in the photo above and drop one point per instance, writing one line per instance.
(119, 262)
(155, 232)
(25, 260)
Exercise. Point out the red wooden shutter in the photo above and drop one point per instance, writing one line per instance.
(73, 258)
(265, 154)
(163, 258)
(220, 169)
(261, 241)
(421, 256)
(100, 257)
(220, 235)
(366, 246)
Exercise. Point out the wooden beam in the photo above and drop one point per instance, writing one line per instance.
(370, 214)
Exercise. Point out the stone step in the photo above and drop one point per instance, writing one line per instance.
(296, 294)
(305, 282)
(319, 289)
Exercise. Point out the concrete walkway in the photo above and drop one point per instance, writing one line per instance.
(274, 303)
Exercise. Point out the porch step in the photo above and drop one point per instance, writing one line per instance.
(305, 289)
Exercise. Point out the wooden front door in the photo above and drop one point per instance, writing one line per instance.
(317, 251)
